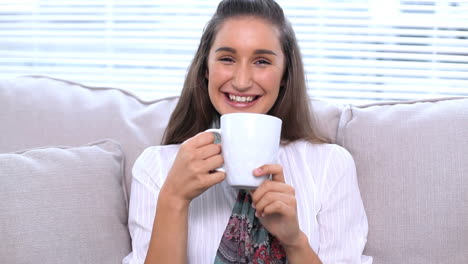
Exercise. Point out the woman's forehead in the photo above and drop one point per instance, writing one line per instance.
(248, 31)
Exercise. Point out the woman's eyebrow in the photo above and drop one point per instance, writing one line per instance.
(228, 49)
(265, 51)
(256, 52)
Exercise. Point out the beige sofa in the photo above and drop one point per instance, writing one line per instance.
(66, 153)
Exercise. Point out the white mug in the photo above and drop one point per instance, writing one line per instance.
(248, 141)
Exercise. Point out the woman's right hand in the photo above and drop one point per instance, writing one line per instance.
(188, 177)
(192, 172)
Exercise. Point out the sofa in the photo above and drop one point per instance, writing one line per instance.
(67, 151)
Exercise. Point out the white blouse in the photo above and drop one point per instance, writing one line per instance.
(329, 204)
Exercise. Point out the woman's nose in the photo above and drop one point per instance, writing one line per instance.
(242, 79)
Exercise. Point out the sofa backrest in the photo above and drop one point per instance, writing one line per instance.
(412, 167)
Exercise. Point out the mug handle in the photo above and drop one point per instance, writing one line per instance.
(217, 134)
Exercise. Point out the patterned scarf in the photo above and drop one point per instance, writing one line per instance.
(245, 240)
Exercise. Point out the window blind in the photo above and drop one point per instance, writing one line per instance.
(355, 51)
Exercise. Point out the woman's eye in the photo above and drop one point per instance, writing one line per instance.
(262, 62)
(226, 59)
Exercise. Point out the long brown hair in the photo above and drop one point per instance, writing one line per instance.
(194, 111)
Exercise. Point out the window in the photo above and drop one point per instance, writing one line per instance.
(355, 51)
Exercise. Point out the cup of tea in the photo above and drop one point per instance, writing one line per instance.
(248, 141)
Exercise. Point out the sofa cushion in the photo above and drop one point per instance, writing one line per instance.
(63, 205)
(412, 166)
(41, 111)
(326, 116)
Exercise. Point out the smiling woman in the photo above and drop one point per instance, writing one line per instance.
(245, 66)
(181, 208)
(243, 57)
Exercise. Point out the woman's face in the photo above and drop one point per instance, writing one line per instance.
(245, 66)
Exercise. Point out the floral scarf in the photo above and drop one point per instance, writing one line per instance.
(245, 240)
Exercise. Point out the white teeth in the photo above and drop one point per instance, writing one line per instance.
(241, 99)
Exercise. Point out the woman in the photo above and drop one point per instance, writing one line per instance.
(248, 60)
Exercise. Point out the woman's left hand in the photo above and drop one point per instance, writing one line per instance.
(275, 203)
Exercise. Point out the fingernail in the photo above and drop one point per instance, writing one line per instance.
(258, 170)
(256, 214)
(253, 205)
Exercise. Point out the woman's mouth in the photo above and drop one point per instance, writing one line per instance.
(241, 99)
(239, 102)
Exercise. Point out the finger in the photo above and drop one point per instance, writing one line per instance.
(271, 186)
(213, 162)
(275, 170)
(201, 139)
(275, 207)
(208, 151)
(272, 198)
(211, 179)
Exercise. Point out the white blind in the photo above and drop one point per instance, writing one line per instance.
(355, 51)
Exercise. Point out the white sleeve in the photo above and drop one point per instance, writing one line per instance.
(145, 188)
(342, 220)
